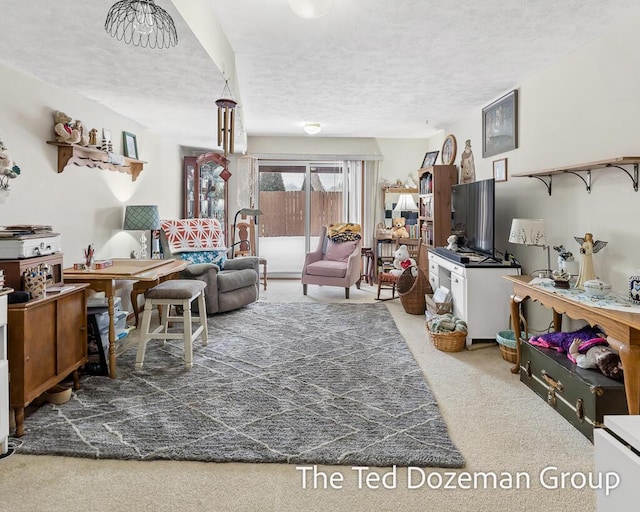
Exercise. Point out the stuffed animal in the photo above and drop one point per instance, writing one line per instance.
(84, 134)
(65, 129)
(452, 242)
(402, 261)
(398, 230)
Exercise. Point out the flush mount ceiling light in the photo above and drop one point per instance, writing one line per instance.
(312, 128)
(141, 23)
(310, 8)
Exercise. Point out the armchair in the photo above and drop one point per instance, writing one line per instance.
(231, 283)
(333, 264)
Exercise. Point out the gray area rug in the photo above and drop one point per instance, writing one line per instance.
(292, 383)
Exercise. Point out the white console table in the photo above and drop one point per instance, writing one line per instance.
(617, 448)
(480, 295)
(4, 373)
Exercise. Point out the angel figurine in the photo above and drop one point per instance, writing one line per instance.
(587, 248)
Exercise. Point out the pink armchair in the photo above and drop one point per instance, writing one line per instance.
(333, 264)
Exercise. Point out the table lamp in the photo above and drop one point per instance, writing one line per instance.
(142, 218)
(405, 204)
(530, 232)
(253, 212)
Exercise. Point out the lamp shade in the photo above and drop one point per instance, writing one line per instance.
(405, 203)
(141, 218)
(527, 232)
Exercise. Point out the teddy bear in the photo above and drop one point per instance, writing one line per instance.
(84, 134)
(65, 129)
(398, 230)
(402, 261)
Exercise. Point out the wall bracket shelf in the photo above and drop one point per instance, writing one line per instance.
(583, 171)
(73, 154)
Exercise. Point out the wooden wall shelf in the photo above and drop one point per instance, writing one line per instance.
(580, 169)
(73, 154)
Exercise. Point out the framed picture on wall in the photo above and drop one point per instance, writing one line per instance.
(130, 145)
(500, 169)
(500, 125)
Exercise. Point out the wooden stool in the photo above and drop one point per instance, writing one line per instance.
(387, 280)
(367, 265)
(175, 292)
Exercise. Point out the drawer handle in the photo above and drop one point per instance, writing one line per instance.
(580, 410)
(556, 384)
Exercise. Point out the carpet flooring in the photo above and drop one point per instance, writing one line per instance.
(278, 382)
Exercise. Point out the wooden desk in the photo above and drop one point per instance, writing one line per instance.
(145, 273)
(622, 329)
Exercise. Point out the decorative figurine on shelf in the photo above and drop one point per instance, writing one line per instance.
(93, 138)
(467, 165)
(399, 230)
(587, 248)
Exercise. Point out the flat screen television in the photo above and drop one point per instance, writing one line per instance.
(472, 215)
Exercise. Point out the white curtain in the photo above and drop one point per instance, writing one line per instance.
(247, 181)
(372, 198)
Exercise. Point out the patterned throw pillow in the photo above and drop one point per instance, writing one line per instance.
(218, 257)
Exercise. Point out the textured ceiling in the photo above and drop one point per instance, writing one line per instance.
(370, 68)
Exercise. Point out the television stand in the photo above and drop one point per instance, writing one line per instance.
(480, 294)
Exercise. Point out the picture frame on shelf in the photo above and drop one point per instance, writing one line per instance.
(449, 150)
(107, 144)
(500, 125)
(130, 145)
(430, 159)
(500, 169)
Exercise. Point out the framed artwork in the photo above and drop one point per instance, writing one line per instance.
(130, 145)
(430, 159)
(500, 169)
(500, 125)
(449, 149)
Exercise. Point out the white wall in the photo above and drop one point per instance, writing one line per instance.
(582, 109)
(84, 205)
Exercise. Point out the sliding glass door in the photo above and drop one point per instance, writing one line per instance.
(297, 199)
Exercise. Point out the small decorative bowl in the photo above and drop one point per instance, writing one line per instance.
(597, 288)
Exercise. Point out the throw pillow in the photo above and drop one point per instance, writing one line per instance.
(339, 251)
(217, 257)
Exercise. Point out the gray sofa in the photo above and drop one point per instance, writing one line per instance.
(234, 287)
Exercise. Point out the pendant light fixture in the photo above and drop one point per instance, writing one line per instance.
(226, 119)
(141, 23)
(310, 8)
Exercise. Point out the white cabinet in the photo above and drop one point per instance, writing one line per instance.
(617, 448)
(480, 294)
(4, 377)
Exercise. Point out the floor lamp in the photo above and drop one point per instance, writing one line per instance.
(530, 232)
(253, 212)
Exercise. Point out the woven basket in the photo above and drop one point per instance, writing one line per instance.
(507, 342)
(412, 290)
(448, 341)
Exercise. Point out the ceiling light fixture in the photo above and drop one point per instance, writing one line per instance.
(312, 128)
(141, 23)
(310, 9)
(226, 120)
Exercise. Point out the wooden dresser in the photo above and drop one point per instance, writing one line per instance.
(47, 341)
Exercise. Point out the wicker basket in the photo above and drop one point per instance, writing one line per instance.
(448, 341)
(412, 290)
(437, 308)
(507, 342)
